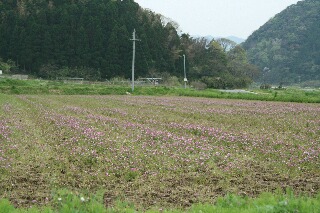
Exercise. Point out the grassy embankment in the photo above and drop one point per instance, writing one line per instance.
(10, 86)
(66, 202)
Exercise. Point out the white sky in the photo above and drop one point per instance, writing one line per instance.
(218, 17)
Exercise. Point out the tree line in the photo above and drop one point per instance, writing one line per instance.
(91, 39)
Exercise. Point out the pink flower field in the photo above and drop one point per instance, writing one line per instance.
(155, 151)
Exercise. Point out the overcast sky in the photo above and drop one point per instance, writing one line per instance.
(219, 18)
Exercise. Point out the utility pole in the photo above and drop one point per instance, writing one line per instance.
(134, 55)
(184, 69)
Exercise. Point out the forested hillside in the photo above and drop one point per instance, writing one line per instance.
(91, 39)
(289, 44)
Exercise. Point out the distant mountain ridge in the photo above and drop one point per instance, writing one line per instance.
(288, 44)
(232, 38)
(236, 39)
